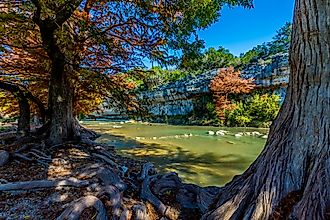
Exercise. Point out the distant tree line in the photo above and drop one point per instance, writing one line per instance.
(221, 57)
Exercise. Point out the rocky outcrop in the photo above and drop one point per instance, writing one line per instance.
(273, 72)
(270, 74)
(181, 97)
(177, 98)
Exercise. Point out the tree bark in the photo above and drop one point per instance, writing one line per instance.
(23, 103)
(24, 112)
(290, 179)
(63, 123)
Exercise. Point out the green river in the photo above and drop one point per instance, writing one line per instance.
(195, 155)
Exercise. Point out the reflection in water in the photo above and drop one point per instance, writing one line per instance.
(188, 150)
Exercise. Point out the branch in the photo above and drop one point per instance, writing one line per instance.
(36, 16)
(65, 13)
(61, 16)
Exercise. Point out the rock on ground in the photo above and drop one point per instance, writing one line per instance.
(4, 157)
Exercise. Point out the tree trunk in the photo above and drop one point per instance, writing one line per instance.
(24, 114)
(63, 124)
(24, 107)
(291, 177)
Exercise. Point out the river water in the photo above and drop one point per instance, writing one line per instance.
(195, 155)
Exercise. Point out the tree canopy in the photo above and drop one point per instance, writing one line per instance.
(279, 44)
(209, 60)
(74, 49)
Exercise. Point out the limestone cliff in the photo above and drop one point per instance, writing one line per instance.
(181, 97)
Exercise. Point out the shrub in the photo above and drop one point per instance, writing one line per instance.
(228, 82)
(257, 111)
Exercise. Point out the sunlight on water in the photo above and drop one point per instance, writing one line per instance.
(188, 150)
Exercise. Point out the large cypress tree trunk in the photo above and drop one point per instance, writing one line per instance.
(63, 123)
(63, 126)
(291, 177)
(60, 97)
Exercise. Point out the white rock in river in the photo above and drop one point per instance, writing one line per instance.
(211, 132)
(238, 135)
(117, 126)
(154, 138)
(138, 138)
(264, 136)
(256, 133)
(220, 133)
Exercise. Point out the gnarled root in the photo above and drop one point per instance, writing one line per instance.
(41, 184)
(162, 209)
(75, 209)
(147, 169)
(114, 198)
(5, 136)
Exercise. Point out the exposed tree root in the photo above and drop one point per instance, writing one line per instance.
(127, 189)
(75, 209)
(24, 148)
(114, 200)
(159, 205)
(42, 155)
(140, 212)
(87, 134)
(45, 158)
(5, 136)
(25, 157)
(108, 177)
(23, 140)
(106, 159)
(147, 169)
(41, 184)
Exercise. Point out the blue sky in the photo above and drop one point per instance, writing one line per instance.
(240, 29)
